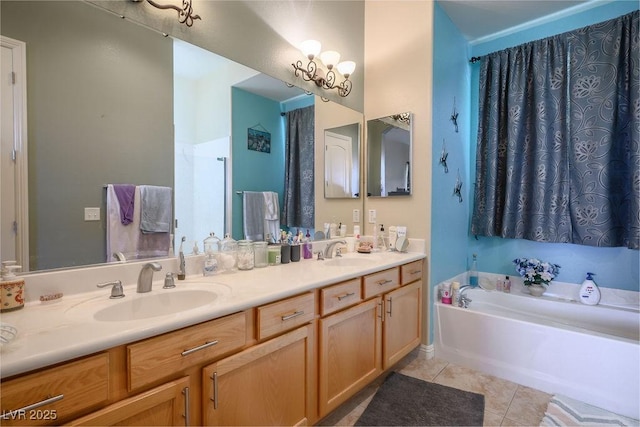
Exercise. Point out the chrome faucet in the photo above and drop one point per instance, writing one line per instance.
(328, 250)
(463, 300)
(146, 276)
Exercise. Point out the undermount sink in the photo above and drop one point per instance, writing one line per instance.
(145, 306)
(348, 262)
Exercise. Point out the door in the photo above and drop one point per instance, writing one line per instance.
(13, 160)
(402, 322)
(337, 165)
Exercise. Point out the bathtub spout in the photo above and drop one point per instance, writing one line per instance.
(464, 300)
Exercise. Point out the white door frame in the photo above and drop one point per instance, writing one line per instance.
(19, 52)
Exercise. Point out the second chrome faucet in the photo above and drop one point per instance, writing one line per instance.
(145, 279)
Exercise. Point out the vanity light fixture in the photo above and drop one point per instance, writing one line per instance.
(185, 13)
(324, 79)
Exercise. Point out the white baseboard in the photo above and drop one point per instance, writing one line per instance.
(427, 351)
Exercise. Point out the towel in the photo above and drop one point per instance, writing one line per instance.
(121, 239)
(155, 210)
(253, 215)
(564, 411)
(271, 214)
(125, 194)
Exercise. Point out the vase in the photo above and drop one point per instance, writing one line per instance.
(536, 290)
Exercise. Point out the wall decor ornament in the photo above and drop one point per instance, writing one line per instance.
(457, 190)
(259, 139)
(454, 115)
(443, 157)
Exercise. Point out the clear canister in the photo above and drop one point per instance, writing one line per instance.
(228, 254)
(246, 257)
(261, 254)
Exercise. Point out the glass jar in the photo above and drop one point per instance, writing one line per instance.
(274, 254)
(261, 254)
(228, 254)
(246, 256)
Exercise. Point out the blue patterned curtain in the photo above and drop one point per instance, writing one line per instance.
(299, 193)
(558, 155)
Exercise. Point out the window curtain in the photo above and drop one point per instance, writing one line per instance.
(299, 193)
(558, 153)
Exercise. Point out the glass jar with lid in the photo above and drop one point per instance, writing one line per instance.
(246, 257)
(211, 252)
(261, 254)
(228, 257)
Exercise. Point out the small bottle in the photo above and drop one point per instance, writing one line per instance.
(382, 241)
(393, 237)
(499, 285)
(589, 292)
(455, 293)
(343, 230)
(506, 285)
(473, 272)
(446, 293)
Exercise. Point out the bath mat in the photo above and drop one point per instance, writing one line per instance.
(564, 411)
(408, 401)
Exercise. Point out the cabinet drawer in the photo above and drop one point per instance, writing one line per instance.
(411, 272)
(379, 283)
(336, 297)
(164, 355)
(57, 394)
(284, 315)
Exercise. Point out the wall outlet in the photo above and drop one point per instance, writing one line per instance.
(356, 215)
(92, 214)
(372, 216)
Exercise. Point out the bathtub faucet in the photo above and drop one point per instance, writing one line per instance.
(464, 300)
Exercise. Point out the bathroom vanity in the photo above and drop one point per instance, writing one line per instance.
(281, 345)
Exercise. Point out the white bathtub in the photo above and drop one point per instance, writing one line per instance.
(589, 353)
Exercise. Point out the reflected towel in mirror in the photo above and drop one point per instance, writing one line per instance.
(155, 210)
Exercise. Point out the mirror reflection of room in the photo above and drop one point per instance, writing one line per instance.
(341, 162)
(389, 156)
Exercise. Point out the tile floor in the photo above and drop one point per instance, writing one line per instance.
(506, 403)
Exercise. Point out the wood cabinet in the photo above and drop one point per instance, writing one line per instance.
(56, 394)
(267, 384)
(165, 405)
(349, 352)
(402, 329)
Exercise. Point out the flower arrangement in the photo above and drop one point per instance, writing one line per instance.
(536, 272)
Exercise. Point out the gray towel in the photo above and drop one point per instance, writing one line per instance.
(156, 209)
(253, 215)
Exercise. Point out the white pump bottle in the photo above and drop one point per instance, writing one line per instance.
(589, 292)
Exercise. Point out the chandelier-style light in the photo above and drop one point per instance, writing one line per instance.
(331, 59)
(185, 13)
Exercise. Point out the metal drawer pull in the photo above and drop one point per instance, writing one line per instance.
(384, 282)
(390, 305)
(214, 399)
(415, 271)
(381, 311)
(291, 316)
(350, 294)
(200, 347)
(47, 401)
(187, 419)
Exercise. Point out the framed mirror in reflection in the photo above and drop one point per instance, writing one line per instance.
(110, 101)
(389, 158)
(342, 162)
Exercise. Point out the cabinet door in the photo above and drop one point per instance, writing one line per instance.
(402, 322)
(350, 350)
(268, 384)
(165, 405)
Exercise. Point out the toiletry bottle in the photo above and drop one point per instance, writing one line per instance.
(473, 272)
(382, 241)
(446, 293)
(343, 230)
(455, 293)
(506, 285)
(589, 292)
(393, 237)
(375, 238)
(499, 285)
(11, 288)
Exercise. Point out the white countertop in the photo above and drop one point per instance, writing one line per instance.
(48, 333)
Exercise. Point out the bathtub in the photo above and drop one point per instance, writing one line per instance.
(589, 353)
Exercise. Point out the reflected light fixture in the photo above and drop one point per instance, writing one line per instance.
(331, 60)
(185, 13)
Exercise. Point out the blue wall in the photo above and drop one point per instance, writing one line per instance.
(253, 170)
(614, 267)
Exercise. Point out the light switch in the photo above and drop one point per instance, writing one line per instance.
(372, 216)
(92, 214)
(356, 215)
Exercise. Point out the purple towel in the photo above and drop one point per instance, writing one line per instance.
(125, 194)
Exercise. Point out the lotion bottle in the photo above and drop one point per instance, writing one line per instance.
(589, 292)
(11, 288)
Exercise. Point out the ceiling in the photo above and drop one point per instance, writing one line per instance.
(481, 19)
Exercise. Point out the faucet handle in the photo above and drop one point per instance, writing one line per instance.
(116, 290)
(169, 281)
(338, 252)
(320, 255)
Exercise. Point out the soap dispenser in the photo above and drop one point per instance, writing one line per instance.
(589, 292)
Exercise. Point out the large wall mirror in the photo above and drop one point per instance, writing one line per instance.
(110, 101)
(389, 162)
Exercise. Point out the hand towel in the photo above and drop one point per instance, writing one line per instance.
(121, 238)
(271, 215)
(253, 215)
(125, 194)
(156, 209)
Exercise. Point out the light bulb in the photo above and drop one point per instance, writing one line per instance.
(310, 48)
(330, 58)
(346, 68)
